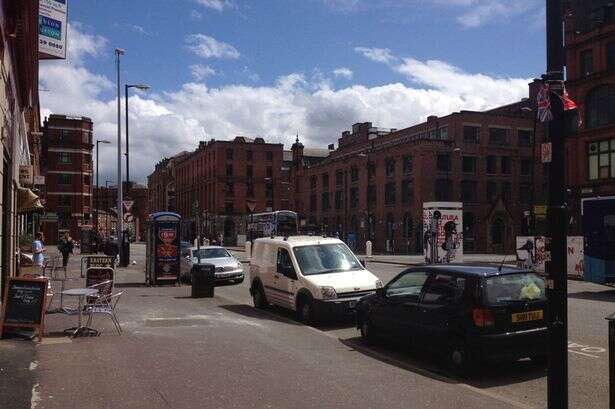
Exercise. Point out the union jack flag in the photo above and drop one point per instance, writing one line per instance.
(543, 102)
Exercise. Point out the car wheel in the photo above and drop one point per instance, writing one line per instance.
(367, 332)
(258, 296)
(305, 312)
(460, 358)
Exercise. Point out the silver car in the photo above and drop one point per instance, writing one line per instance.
(228, 268)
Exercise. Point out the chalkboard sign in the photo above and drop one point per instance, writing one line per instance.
(100, 261)
(24, 304)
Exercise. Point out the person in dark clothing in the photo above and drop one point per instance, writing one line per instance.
(66, 248)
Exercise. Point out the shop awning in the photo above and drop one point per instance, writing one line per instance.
(28, 202)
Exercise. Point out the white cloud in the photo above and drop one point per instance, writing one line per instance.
(140, 29)
(217, 5)
(200, 72)
(382, 55)
(162, 125)
(343, 72)
(195, 15)
(342, 5)
(208, 47)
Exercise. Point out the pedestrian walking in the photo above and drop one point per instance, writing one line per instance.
(38, 248)
(66, 248)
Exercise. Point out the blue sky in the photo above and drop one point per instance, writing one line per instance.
(220, 68)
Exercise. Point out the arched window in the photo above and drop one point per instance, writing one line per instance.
(600, 106)
(408, 227)
(497, 232)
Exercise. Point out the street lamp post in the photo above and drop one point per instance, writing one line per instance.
(96, 202)
(120, 227)
(142, 87)
(532, 221)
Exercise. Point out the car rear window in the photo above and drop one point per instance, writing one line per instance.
(510, 288)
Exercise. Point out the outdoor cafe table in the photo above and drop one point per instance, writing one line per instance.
(81, 293)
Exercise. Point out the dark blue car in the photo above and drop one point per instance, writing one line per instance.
(468, 313)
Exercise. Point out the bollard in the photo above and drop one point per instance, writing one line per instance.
(248, 247)
(611, 320)
(196, 242)
(368, 249)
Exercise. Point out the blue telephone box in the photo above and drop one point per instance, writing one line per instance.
(599, 236)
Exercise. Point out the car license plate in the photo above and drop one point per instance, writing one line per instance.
(352, 304)
(527, 316)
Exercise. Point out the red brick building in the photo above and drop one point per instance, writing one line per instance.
(106, 197)
(223, 176)
(590, 60)
(374, 185)
(161, 185)
(67, 165)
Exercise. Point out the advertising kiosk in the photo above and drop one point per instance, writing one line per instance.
(443, 232)
(163, 249)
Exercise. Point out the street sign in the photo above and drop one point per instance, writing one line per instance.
(25, 175)
(128, 205)
(128, 217)
(546, 152)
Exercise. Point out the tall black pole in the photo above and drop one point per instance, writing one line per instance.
(557, 314)
(127, 167)
(96, 192)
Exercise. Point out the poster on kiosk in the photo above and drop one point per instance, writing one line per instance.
(443, 232)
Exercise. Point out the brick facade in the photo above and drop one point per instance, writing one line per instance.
(67, 165)
(374, 184)
(590, 60)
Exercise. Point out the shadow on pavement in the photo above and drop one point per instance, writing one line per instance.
(129, 285)
(607, 295)
(270, 314)
(432, 366)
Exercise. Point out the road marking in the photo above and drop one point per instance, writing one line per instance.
(582, 353)
(585, 350)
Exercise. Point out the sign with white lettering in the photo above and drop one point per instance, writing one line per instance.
(25, 175)
(52, 27)
(546, 152)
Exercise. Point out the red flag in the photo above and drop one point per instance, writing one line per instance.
(569, 104)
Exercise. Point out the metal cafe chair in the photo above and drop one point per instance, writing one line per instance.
(105, 305)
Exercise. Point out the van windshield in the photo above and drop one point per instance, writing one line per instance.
(326, 258)
(511, 288)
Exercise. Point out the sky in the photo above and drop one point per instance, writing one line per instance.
(278, 68)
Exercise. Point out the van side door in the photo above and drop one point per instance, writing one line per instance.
(284, 278)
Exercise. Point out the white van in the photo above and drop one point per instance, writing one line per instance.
(315, 276)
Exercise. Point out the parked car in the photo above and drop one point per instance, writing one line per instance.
(316, 277)
(228, 268)
(469, 313)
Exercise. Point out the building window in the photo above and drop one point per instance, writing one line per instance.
(372, 195)
(86, 180)
(498, 136)
(269, 155)
(390, 167)
(407, 164)
(406, 191)
(65, 201)
(491, 164)
(64, 136)
(601, 159)
(389, 193)
(526, 167)
(408, 226)
(354, 174)
(229, 207)
(354, 197)
(525, 137)
(506, 165)
(525, 193)
(325, 181)
(506, 191)
(339, 178)
(587, 62)
(269, 172)
(249, 171)
(269, 190)
(443, 162)
(229, 154)
(230, 189)
(610, 56)
(64, 157)
(250, 189)
(468, 191)
(338, 200)
(313, 182)
(468, 225)
(325, 201)
(229, 170)
(443, 190)
(469, 164)
(313, 202)
(249, 155)
(65, 179)
(471, 134)
(492, 191)
(497, 232)
(600, 106)
(444, 133)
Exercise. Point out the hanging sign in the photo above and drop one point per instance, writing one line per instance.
(52, 25)
(546, 152)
